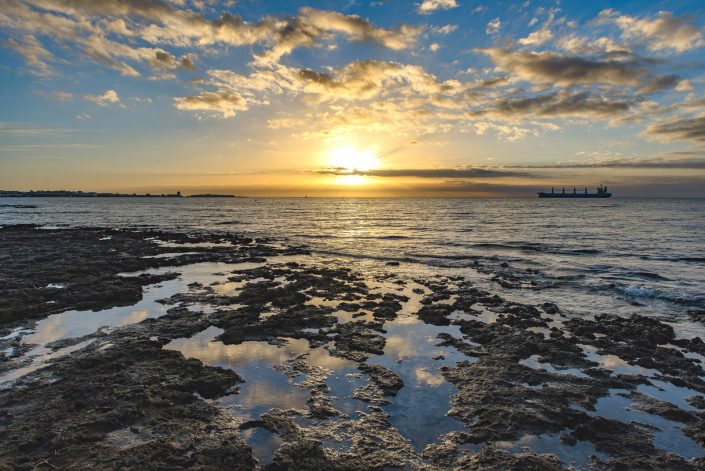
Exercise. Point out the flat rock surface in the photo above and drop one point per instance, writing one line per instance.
(246, 354)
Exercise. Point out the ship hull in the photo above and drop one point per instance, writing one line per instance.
(574, 195)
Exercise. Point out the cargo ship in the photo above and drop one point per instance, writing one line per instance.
(601, 193)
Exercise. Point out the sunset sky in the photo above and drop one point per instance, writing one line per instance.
(353, 98)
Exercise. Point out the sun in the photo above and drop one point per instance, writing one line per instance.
(350, 159)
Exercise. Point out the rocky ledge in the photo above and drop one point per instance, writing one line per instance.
(372, 371)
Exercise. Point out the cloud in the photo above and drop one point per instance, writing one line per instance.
(312, 25)
(62, 96)
(164, 60)
(283, 123)
(82, 25)
(226, 103)
(662, 32)
(583, 104)
(357, 81)
(33, 53)
(558, 69)
(359, 29)
(575, 44)
(460, 172)
(511, 133)
(544, 34)
(83, 116)
(493, 26)
(108, 98)
(573, 75)
(429, 6)
(697, 162)
(537, 38)
(365, 79)
(445, 29)
(24, 130)
(679, 129)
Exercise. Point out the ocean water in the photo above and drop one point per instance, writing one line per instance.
(617, 255)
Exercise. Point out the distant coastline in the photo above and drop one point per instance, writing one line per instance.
(94, 194)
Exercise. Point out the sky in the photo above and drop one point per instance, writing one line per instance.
(449, 98)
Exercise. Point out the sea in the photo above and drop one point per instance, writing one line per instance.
(619, 256)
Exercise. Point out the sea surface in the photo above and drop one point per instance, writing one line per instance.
(618, 255)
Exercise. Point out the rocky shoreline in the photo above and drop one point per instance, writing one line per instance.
(375, 371)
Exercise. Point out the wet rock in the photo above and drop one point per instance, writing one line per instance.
(508, 277)
(630, 445)
(135, 405)
(389, 306)
(641, 341)
(245, 324)
(697, 315)
(468, 296)
(389, 381)
(494, 402)
(355, 340)
(93, 393)
(372, 393)
(447, 451)
(696, 401)
(320, 404)
(550, 308)
(349, 307)
(491, 458)
(664, 409)
(87, 262)
(436, 314)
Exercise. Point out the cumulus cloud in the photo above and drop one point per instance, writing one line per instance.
(82, 25)
(429, 6)
(571, 74)
(544, 34)
(312, 26)
(664, 31)
(576, 44)
(493, 26)
(357, 28)
(537, 38)
(356, 81)
(445, 29)
(108, 98)
(164, 60)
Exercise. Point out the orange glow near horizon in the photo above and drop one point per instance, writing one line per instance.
(351, 180)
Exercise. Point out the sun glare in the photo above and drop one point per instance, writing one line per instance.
(351, 180)
(351, 159)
